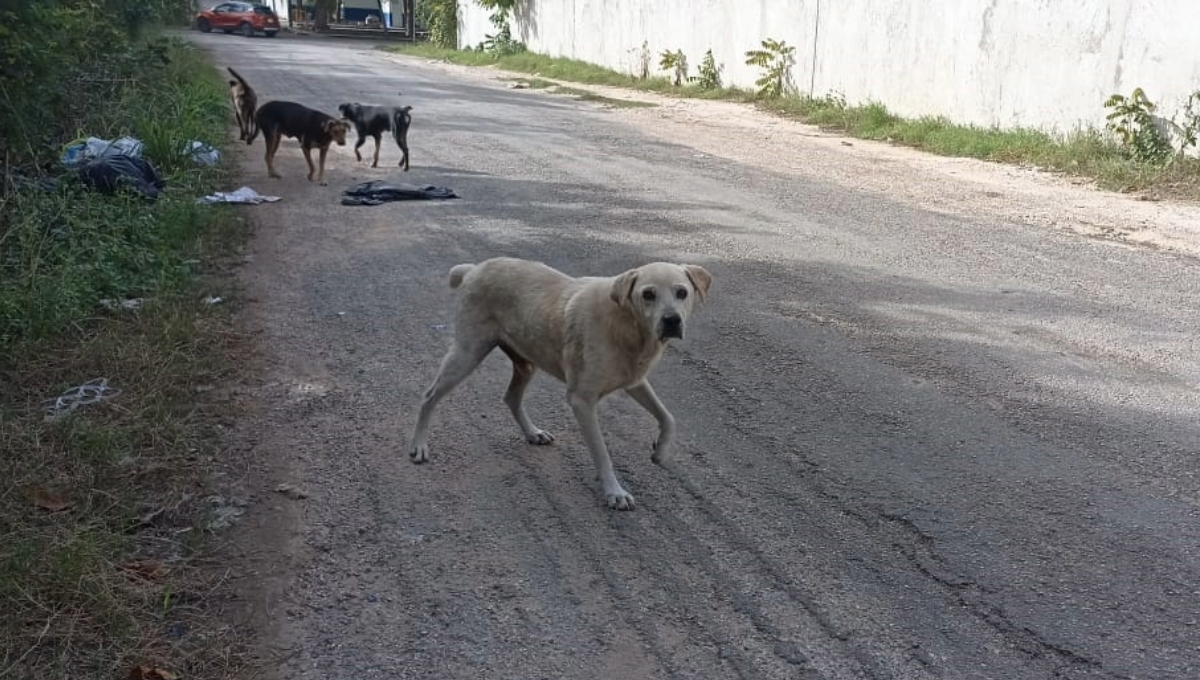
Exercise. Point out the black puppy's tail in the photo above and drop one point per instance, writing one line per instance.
(401, 119)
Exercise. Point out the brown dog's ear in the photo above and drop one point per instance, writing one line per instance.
(622, 287)
(700, 279)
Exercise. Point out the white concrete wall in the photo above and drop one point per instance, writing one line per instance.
(1010, 63)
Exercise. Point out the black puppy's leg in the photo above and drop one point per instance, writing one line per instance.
(362, 139)
(402, 142)
(375, 162)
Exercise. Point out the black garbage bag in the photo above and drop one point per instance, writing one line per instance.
(111, 172)
(379, 191)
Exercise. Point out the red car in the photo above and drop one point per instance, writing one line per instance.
(244, 17)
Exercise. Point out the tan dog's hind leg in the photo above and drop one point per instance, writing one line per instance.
(523, 372)
(643, 394)
(237, 114)
(584, 407)
(458, 363)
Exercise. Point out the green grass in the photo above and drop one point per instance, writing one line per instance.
(73, 604)
(1084, 153)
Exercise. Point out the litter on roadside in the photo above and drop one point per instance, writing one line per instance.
(243, 195)
(375, 192)
(129, 304)
(110, 172)
(90, 392)
(213, 300)
(203, 153)
(82, 151)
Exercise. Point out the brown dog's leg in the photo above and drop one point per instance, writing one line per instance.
(272, 141)
(308, 157)
(321, 173)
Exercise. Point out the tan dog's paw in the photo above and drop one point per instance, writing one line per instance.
(660, 455)
(620, 499)
(540, 437)
(419, 454)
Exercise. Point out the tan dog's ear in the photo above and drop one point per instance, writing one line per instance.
(700, 279)
(622, 287)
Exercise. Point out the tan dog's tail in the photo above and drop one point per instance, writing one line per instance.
(240, 79)
(457, 272)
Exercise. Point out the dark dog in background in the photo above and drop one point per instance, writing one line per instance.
(373, 121)
(245, 101)
(313, 128)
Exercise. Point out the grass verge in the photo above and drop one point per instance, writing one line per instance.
(103, 510)
(1086, 153)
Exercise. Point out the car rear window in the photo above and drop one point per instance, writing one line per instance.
(263, 9)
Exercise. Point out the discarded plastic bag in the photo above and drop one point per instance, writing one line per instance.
(90, 392)
(203, 153)
(242, 195)
(93, 147)
(377, 191)
(110, 172)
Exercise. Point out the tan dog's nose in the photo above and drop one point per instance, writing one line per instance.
(672, 326)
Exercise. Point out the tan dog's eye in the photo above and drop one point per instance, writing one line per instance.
(681, 294)
(648, 295)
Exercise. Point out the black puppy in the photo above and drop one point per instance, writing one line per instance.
(373, 121)
(313, 128)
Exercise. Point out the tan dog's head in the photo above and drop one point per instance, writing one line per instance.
(661, 295)
(337, 129)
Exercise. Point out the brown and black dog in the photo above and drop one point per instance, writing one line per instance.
(280, 119)
(245, 101)
(373, 121)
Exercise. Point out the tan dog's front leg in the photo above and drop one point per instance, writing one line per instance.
(643, 394)
(584, 407)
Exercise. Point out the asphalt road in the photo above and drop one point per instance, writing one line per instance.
(912, 444)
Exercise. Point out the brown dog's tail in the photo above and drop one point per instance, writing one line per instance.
(457, 272)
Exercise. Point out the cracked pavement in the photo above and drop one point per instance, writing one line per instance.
(919, 435)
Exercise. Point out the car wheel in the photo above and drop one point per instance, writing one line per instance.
(270, 34)
(246, 29)
(203, 26)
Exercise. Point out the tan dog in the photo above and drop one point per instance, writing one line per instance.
(597, 335)
(245, 101)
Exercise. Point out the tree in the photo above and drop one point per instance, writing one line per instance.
(325, 11)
